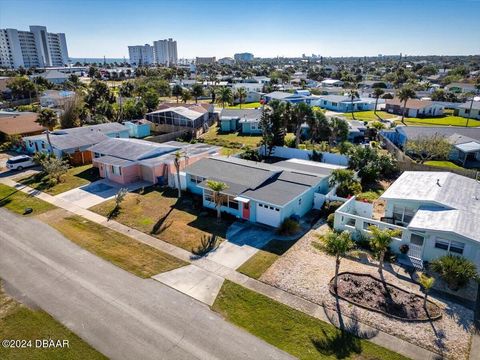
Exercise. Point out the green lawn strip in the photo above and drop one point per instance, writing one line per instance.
(253, 105)
(441, 121)
(290, 330)
(230, 140)
(121, 250)
(17, 201)
(258, 264)
(75, 177)
(369, 115)
(445, 164)
(19, 322)
(159, 213)
(264, 258)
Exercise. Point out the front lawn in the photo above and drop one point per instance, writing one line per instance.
(159, 213)
(290, 330)
(230, 140)
(253, 105)
(19, 322)
(444, 164)
(369, 115)
(121, 250)
(17, 201)
(441, 121)
(75, 177)
(264, 258)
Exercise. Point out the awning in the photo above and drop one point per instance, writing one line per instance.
(242, 199)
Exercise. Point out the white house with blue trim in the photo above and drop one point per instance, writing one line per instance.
(342, 103)
(437, 213)
(259, 192)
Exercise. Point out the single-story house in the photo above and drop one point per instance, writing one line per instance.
(75, 142)
(54, 76)
(461, 88)
(331, 83)
(248, 86)
(342, 103)
(465, 141)
(138, 128)
(194, 118)
(437, 213)
(356, 131)
(258, 192)
(246, 121)
(128, 160)
(56, 98)
(414, 108)
(464, 110)
(371, 84)
(19, 123)
(285, 96)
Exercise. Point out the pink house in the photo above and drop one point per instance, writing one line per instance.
(129, 160)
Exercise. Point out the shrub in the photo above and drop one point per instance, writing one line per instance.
(289, 140)
(404, 248)
(289, 227)
(251, 155)
(456, 271)
(331, 219)
(330, 207)
(349, 189)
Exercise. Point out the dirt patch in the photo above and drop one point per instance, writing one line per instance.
(371, 293)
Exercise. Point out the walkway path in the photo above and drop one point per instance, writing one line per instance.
(380, 338)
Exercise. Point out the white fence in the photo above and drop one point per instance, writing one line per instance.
(290, 153)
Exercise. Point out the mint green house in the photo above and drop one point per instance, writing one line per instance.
(437, 213)
(258, 192)
(246, 121)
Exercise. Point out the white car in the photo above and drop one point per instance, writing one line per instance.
(19, 162)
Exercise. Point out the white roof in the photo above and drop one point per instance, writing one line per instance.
(471, 146)
(330, 81)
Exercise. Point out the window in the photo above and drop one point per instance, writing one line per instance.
(196, 179)
(350, 222)
(232, 204)
(116, 170)
(416, 239)
(300, 201)
(403, 214)
(254, 126)
(208, 195)
(451, 246)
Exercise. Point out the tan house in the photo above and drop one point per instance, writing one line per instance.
(414, 108)
(19, 123)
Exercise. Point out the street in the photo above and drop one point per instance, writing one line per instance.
(119, 314)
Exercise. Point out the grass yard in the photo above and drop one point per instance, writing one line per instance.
(17, 201)
(253, 105)
(20, 322)
(441, 121)
(159, 213)
(75, 177)
(230, 140)
(292, 331)
(369, 196)
(369, 115)
(263, 259)
(444, 164)
(121, 250)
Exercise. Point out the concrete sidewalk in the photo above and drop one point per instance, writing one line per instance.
(378, 337)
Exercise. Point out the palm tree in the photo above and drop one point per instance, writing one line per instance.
(301, 113)
(377, 92)
(218, 198)
(353, 94)
(337, 244)
(404, 94)
(177, 91)
(380, 241)
(177, 163)
(47, 118)
(427, 283)
(186, 95)
(197, 91)
(224, 95)
(241, 94)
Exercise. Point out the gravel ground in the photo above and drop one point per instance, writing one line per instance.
(306, 271)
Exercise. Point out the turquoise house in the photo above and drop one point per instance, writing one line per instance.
(138, 128)
(247, 121)
(260, 193)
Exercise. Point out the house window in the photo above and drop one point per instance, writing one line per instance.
(300, 201)
(453, 246)
(208, 195)
(43, 145)
(403, 214)
(416, 239)
(350, 222)
(96, 155)
(232, 204)
(254, 126)
(116, 170)
(196, 179)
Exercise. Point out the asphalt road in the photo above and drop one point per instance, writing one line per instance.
(121, 315)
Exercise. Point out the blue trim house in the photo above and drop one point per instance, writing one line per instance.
(138, 128)
(75, 141)
(247, 121)
(258, 192)
(344, 103)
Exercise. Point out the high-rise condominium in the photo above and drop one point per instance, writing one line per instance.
(165, 52)
(34, 48)
(141, 55)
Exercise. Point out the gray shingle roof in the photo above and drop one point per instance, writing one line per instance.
(277, 192)
(475, 105)
(309, 169)
(131, 149)
(242, 113)
(110, 160)
(280, 95)
(414, 132)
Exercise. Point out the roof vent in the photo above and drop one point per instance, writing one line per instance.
(438, 183)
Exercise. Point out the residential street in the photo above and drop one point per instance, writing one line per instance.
(121, 315)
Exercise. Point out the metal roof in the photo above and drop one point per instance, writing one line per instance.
(131, 149)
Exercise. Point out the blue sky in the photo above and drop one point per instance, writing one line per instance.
(265, 28)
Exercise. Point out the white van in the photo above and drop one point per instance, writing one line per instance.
(19, 162)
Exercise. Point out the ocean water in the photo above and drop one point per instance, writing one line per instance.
(98, 60)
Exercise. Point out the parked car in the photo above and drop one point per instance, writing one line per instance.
(19, 162)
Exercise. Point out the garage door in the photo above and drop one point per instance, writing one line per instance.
(268, 215)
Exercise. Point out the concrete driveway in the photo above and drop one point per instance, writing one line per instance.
(97, 192)
(243, 241)
(121, 315)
